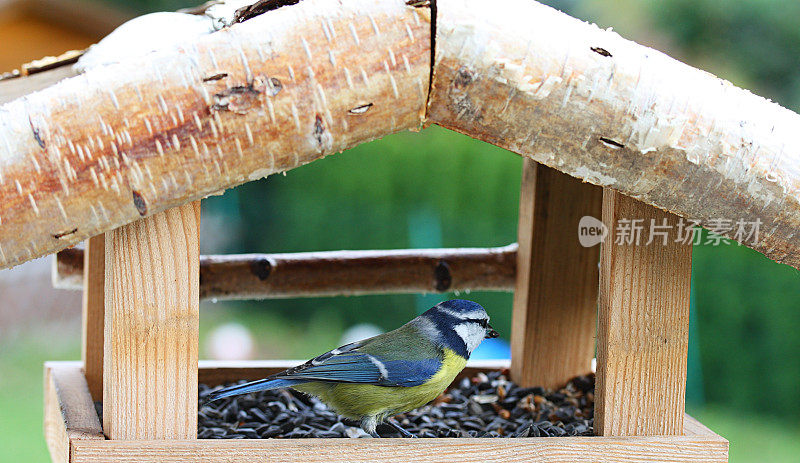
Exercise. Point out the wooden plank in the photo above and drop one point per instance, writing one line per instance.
(69, 412)
(55, 431)
(643, 323)
(337, 273)
(94, 265)
(692, 427)
(151, 327)
(215, 372)
(537, 450)
(555, 297)
(213, 111)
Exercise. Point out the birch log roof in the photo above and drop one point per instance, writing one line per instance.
(243, 96)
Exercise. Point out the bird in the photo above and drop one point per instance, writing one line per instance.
(372, 380)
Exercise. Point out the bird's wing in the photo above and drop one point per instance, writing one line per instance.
(355, 363)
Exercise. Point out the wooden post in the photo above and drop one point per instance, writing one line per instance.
(555, 299)
(335, 273)
(94, 265)
(643, 324)
(151, 327)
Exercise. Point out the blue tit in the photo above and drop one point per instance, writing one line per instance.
(395, 372)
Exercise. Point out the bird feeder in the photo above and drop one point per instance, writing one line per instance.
(120, 154)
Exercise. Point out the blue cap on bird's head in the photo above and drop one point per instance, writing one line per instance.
(462, 308)
(461, 320)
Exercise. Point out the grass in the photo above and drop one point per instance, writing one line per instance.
(21, 391)
(753, 438)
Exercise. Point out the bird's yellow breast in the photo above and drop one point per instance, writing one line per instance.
(356, 401)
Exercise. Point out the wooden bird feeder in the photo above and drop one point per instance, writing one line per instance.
(120, 154)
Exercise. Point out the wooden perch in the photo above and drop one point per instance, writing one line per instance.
(336, 273)
(292, 85)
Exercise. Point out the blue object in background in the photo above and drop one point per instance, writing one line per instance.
(492, 349)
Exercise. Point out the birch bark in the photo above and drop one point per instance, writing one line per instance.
(606, 110)
(128, 140)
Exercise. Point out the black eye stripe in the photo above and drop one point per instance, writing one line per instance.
(481, 321)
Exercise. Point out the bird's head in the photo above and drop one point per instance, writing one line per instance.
(461, 323)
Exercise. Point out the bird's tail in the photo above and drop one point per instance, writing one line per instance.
(254, 386)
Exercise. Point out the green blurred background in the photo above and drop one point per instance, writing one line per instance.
(439, 188)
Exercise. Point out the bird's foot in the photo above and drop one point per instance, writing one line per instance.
(393, 423)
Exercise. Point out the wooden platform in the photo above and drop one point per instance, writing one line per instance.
(74, 434)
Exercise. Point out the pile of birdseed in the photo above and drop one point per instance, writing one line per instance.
(487, 405)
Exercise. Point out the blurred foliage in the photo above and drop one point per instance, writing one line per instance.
(749, 319)
(757, 39)
(22, 391)
(146, 6)
(753, 437)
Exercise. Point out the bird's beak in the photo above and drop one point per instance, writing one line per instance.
(491, 333)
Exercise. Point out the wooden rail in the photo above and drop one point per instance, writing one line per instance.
(335, 273)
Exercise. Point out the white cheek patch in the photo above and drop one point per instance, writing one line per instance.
(471, 333)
